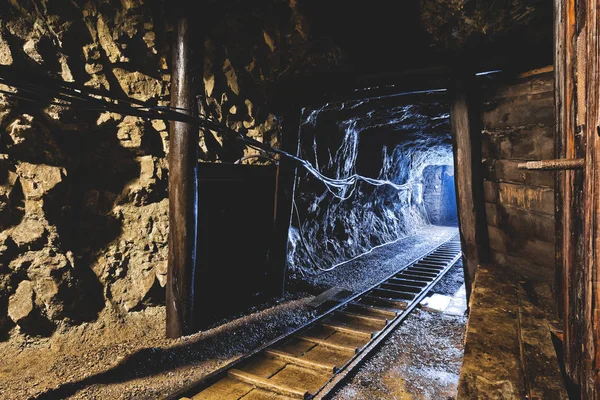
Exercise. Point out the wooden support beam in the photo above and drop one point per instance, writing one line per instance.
(568, 199)
(183, 191)
(284, 196)
(466, 133)
(588, 59)
(577, 82)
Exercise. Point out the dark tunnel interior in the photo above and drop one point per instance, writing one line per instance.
(399, 148)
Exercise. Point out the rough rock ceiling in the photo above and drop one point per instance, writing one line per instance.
(383, 36)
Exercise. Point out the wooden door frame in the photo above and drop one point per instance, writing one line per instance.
(577, 91)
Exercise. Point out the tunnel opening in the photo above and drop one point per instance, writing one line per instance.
(439, 194)
(362, 240)
(399, 150)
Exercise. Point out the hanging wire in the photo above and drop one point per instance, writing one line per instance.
(251, 156)
(46, 91)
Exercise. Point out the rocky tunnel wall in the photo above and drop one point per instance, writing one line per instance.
(398, 146)
(83, 194)
(439, 194)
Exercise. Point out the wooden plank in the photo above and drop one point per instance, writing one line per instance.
(528, 83)
(536, 251)
(415, 275)
(330, 344)
(491, 191)
(225, 389)
(284, 196)
(524, 267)
(531, 142)
(507, 171)
(518, 111)
(466, 138)
(325, 355)
(263, 366)
(183, 192)
(363, 324)
(564, 28)
(365, 317)
(509, 352)
(373, 310)
(491, 364)
(537, 71)
(588, 93)
(268, 384)
(540, 362)
(283, 356)
(520, 222)
(578, 81)
(572, 206)
(427, 270)
(260, 394)
(350, 331)
(335, 294)
(491, 214)
(296, 376)
(489, 147)
(384, 302)
(527, 198)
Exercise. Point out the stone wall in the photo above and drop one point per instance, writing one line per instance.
(83, 194)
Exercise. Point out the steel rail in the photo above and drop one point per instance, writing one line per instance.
(402, 308)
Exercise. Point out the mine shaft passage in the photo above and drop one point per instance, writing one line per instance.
(392, 164)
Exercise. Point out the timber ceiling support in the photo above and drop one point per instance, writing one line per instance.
(466, 140)
(183, 190)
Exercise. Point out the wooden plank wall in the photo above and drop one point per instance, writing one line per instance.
(518, 125)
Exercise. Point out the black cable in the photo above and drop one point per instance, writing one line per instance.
(75, 97)
(85, 99)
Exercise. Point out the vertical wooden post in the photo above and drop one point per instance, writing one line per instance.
(588, 61)
(577, 66)
(567, 200)
(466, 138)
(183, 191)
(560, 126)
(284, 196)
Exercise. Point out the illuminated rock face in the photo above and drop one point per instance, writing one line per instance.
(83, 194)
(83, 200)
(394, 141)
(439, 195)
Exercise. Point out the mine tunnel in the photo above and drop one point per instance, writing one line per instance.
(403, 144)
(299, 199)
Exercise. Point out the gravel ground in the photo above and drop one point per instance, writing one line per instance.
(372, 268)
(127, 357)
(420, 360)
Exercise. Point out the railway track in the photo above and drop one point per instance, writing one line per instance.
(313, 360)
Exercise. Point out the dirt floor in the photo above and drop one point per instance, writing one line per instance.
(127, 357)
(426, 368)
